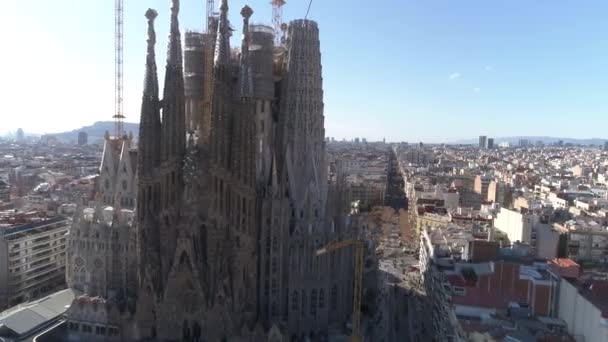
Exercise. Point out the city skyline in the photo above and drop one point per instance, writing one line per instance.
(502, 70)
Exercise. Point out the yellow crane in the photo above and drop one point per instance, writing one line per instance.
(358, 283)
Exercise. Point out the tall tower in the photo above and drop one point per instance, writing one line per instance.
(173, 143)
(148, 160)
(194, 72)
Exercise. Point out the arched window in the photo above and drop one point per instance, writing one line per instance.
(303, 302)
(321, 298)
(274, 266)
(313, 302)
(295, 301)
(185, 331)
(334, 297)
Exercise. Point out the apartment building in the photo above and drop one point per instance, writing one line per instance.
(587, 240)
(507, 295)
(32, 257)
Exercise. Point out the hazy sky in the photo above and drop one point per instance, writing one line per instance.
(402, 69)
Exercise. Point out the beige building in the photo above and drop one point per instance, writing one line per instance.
(481, 185)
(32, 259)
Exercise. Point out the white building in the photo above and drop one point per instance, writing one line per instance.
(516, 226)
(581, 306)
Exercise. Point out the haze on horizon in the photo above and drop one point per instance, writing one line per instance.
(429, 71)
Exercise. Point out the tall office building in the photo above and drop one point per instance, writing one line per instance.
(83, 138)
(490, 143)
(482, 141)
(220, 246)
(20, 135)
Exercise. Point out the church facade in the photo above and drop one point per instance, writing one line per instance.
(234, 195)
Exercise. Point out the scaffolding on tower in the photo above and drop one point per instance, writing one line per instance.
(277, 22)
(118, 68)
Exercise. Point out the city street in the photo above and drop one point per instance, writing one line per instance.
(400, 302)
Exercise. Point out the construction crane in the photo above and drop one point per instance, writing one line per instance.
(211, 13)
(277, 21)
(358, 281)
(118, 68)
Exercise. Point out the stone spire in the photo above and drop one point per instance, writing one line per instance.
(246, 81)
(174, 121)
(148, 162)
(149, 127)
(222, 47)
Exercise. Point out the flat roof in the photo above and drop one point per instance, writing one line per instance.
(32, 225)
(25, 318)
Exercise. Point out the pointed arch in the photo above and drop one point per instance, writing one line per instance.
(184, 262)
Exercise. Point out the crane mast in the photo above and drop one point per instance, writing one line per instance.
(277, 21)
(211, 13)
(118, 68)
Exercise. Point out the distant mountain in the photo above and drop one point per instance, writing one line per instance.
(534, 139)
(96, 131)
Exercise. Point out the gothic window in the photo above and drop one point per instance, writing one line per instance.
(313, 302)
(303, 302)
(273, 311)
(321, 298)
(184, 262)
(274, 265)
(124, 185)
(274, 286)
(268, 244)
(185, 331)
(334, 297)
(295, 301)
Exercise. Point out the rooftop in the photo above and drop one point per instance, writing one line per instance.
(11, 231)
(28, 318)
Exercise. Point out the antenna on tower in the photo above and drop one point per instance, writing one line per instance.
(277, 21)
(118, 67)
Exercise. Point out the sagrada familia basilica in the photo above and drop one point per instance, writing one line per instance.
(207, 229)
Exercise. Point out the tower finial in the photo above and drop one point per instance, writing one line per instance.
(246, 81)
(222, 48)
(151, 80)
(174, 55)
(151, 14)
